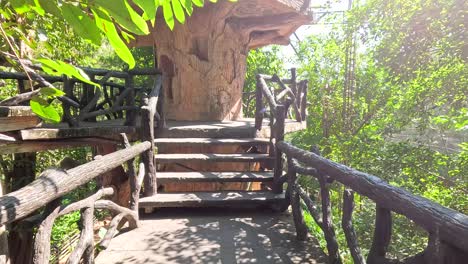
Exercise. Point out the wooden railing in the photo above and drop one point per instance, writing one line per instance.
(293, 97)
(447, 228)
(46, 191)
(278, 105)
(44, 194)
(115, 99)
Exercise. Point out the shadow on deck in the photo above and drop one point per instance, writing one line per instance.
(212, 235)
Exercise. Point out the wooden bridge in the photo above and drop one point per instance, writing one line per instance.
(243, 163)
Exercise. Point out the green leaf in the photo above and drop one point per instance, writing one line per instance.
(50, 7)
(21, 6)
(178, 11)
(149, 8)
(168, 15)
(187, 4)
(44, 110)
(198, 3)
(104, 23)
(124, 15)
(51, 92)
(81, 23)
(60, 67)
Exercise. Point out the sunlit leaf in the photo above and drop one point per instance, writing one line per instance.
(168, 15)
(178, 11)
(105, 25)
(124, 14)
(81, 23)
(44, 110)
(149, 8)
(198, 3)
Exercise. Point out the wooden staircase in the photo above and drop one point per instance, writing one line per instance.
(213, 198)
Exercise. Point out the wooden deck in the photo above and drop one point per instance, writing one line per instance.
(205, 235)
(54, 136)
(243, 128)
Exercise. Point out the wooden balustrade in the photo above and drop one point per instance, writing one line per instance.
(447, 228)
(294, 95)
(81, 103)
(47, 190)
(84, 102)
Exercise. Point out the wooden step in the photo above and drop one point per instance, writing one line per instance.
(166, 158)
(165, 177)
(199, 199)
(212, 141)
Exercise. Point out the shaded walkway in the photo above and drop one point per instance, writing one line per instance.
(216, 235)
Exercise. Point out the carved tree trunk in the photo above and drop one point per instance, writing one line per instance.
(204, 61)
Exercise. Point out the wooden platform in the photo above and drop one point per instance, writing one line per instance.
(205, 236)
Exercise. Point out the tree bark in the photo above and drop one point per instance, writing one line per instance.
(116, 177)
(204, 60)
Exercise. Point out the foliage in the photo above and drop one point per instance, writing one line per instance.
(119, 21)
(260, 61)
(410, 74)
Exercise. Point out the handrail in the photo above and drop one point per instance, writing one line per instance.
(295, 96)
(93, 101)
(278, 111)
(445, 226)
(148, 111)
(54, 183)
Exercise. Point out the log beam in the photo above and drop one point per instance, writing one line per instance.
(54, 183)
(453, 225)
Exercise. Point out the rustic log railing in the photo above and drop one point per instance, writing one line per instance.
(46, 192)
(447, 228)
(278, 104)
(293, 97)
(38, 204)
(115, 99)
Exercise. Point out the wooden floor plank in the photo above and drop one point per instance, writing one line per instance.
(164, 177)
(165, 158)
(112, 132)
(212, 141)
(198, 199)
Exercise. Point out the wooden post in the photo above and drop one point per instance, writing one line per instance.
(130, 117)
(382, 235)
(328, 230)
(304, 100)
(4, 255)
(301, 228)
(68, 88)
(147, 134)
(294, 81)
(258, 103)
(347, 224)
(280, 113)
(115, 177)
(20, 242)
(160, 107)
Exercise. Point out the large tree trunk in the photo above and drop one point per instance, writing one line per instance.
(204, 61)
